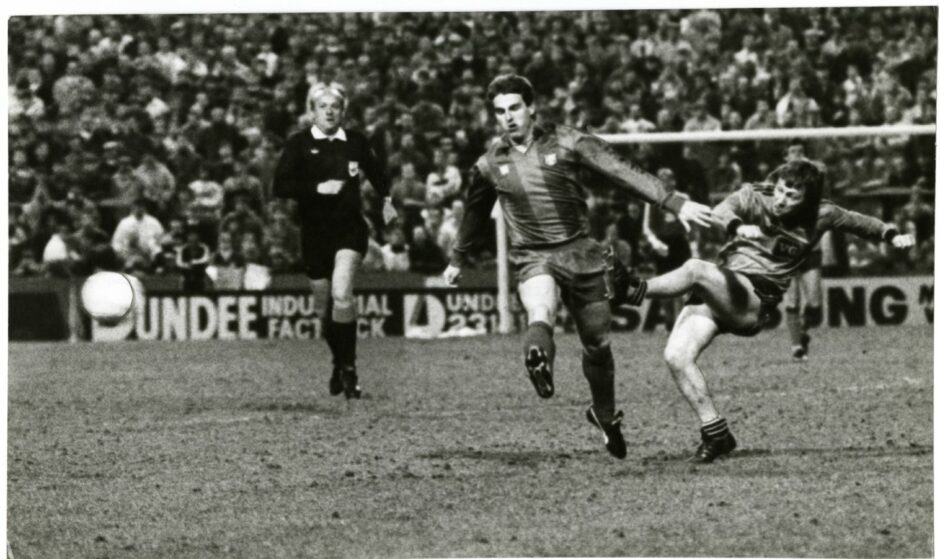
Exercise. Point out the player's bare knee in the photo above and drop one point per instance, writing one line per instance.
(697, 268)
(677, 357)
(541, 313)
(344, 308)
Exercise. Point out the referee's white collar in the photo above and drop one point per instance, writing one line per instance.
(321, 135)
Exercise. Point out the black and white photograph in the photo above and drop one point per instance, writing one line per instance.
(427, 281)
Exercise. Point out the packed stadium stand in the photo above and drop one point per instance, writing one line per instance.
(130, 133)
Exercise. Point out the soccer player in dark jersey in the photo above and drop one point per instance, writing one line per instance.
(773, 227)
(536, 173)
(802, 301)
(322, 169)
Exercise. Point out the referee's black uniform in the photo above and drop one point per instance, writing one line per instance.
(329, 222)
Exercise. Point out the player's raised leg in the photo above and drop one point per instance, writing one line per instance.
(693, 332)
(597, 364)
(729, 295)
(539, 298)
(344, 318)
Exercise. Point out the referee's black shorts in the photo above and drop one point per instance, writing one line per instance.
(322, 244)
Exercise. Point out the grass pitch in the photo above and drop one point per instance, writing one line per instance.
(234, 449)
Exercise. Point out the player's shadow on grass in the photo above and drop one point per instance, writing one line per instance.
(843, 452)
(508, 457)
(293, 407)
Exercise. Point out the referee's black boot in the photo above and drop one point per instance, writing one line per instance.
(351, 383)
(336, 381)
(712, 447)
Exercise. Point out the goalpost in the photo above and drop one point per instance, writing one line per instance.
(502, 258)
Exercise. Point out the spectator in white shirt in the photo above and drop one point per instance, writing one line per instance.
(137, 237)
(635, 123)
(443, 182)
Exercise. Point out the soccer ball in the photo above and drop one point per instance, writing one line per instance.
(107, 297)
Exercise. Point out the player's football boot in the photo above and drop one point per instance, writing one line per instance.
(336, 382)
(613, 436)
(351, 383)
(801, 352)
(540, 372)
(712, 447)
(804, 341)
(625, 288)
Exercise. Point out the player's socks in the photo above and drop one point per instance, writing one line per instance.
(793, 326)
(540, 357)
(346, 343)
(345, 326)
(598, 368)
(715, 428)
(716, 441)
(625, 288)
(330, 335)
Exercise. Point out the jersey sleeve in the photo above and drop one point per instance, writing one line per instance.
(836, 218)
(481, 195)
(288, 174)
(735, 210)
(374, 169)
(597, 155)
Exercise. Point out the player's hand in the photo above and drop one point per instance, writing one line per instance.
(389, 213)
(452, 274)
(693, 212)
(902, 241)
(332, 186)
(749, 231)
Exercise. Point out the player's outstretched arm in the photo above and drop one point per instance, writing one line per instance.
(838, 218)
(481, 195)
(600, 157)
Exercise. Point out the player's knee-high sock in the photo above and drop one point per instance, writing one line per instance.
(330, 334)
(598, 366)
(812, 317)
(794, 327)
(344, 325)
(541, 335)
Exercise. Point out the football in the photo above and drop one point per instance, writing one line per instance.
(107, 297)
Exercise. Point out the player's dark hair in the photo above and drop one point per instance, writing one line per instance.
(805, 174)
(511, 83)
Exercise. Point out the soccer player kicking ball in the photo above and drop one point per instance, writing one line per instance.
(321, 168)
(535, 172)
(773, 227)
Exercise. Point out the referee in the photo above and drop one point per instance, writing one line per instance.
(322, 169)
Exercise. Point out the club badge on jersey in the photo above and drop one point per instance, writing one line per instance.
(353, 168)
(551, 159)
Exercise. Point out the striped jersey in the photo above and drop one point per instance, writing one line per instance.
(542, 190)
(786, 245)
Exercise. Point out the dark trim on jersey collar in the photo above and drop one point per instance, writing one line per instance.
(505, 144)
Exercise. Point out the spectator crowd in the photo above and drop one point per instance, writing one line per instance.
(147, 142)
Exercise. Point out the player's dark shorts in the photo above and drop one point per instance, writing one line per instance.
(322, 244)
(770, 296)
(578, 268)
(812, 262)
